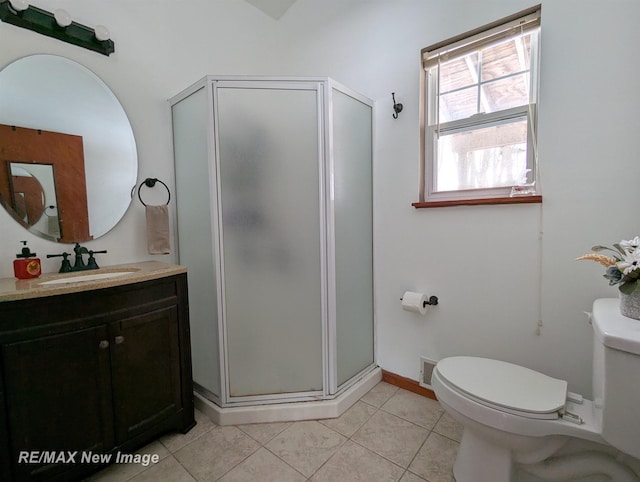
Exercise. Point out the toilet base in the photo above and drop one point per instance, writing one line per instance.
(481, 461)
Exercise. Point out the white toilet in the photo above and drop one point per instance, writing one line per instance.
(516, 420)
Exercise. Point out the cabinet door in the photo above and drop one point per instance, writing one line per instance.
(58, 397)
(146, 371)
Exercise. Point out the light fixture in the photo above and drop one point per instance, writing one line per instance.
(19, 5)
(57, 25)
(102, 33)
(62, 17)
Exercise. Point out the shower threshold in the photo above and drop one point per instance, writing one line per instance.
(289, 412)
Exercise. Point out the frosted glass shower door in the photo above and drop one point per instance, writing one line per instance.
(353, 234)
(269, 191)
(196, 247)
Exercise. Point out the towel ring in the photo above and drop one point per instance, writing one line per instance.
(151, 182)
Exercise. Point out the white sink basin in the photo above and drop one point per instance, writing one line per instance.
(86, 277)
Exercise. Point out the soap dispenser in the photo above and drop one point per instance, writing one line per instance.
(27, 265)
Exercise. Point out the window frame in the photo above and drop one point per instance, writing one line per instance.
(429, 130)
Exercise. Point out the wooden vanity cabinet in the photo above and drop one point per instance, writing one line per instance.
(101, 372)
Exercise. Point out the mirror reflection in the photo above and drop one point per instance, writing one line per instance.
(68, 160)
(33, 198)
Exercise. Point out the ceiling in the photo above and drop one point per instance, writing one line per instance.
(273, 8)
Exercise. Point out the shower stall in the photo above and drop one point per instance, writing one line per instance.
(274, 223)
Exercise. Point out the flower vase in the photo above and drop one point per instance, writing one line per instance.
(630, 304)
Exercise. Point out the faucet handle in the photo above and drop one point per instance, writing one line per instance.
(58, 255)
(91, 262)
(65, 267)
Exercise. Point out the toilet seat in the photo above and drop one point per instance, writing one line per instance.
(504, 386)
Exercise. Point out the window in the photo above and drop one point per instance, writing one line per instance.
(480, 109)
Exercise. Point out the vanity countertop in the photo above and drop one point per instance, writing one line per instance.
(14, 289)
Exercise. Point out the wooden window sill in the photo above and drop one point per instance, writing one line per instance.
(476, 202)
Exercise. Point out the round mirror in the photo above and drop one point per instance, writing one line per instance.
(60, 121)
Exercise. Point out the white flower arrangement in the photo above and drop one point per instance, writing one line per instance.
(623, 267)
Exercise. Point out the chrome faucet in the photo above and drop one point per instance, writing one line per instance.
(79, 264)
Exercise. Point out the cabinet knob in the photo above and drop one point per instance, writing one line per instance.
(119, 339)
(104, 344)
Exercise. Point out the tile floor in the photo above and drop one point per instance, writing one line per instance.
(390, 434)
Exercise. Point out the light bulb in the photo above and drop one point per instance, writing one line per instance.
(101, 33)
(19, 5)
(62, 17)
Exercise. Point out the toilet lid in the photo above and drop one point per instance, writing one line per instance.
(505, 386)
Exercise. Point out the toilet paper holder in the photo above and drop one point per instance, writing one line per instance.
(433, 300)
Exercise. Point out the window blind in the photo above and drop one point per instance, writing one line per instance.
(479, 38)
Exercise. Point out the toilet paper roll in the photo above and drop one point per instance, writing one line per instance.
(414, 302)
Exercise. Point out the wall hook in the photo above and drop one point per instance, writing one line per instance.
(397, 108)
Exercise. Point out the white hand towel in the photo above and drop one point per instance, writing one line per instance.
(158, 229)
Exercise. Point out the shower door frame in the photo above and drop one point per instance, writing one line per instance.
(334, 387)
(226, 399)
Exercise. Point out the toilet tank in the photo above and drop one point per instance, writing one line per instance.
(616, 375)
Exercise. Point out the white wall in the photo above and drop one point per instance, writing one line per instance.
(496, 269)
